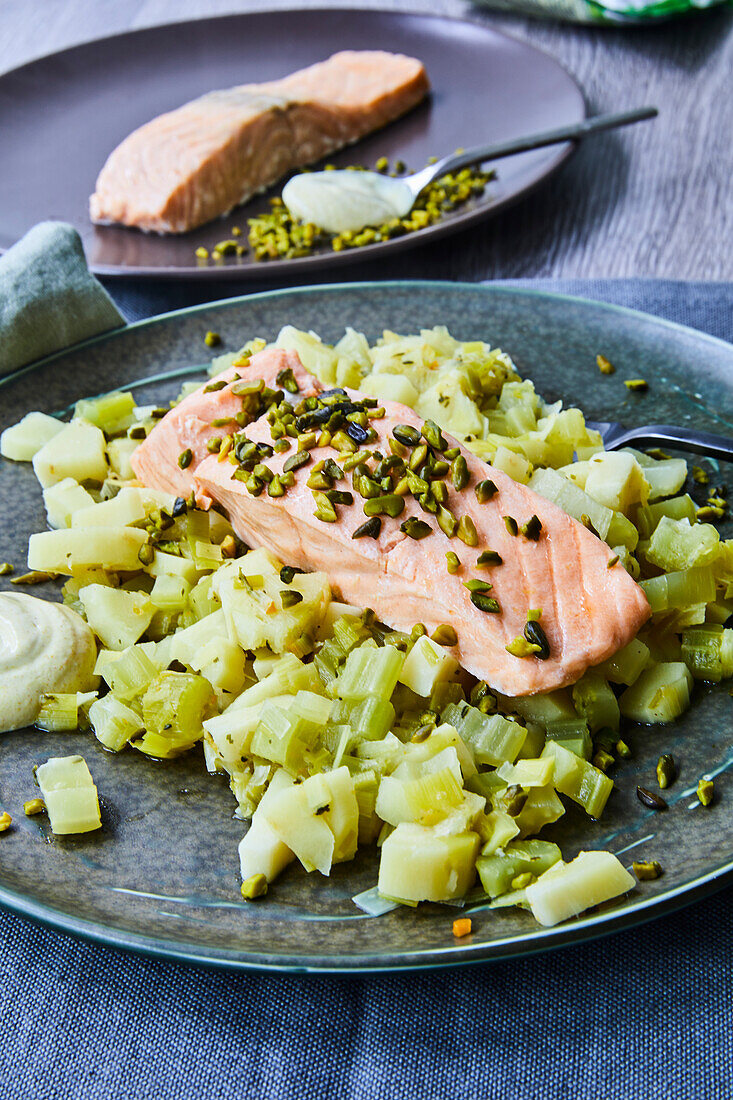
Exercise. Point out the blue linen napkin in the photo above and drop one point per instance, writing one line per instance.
(644, 1013)
(48, 299)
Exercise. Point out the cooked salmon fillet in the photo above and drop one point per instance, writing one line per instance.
(198, 162)
(589, 610)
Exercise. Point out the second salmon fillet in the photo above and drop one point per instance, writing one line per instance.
(197, 163)
(518, 552)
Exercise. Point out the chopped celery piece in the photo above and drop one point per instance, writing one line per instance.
(497, 829)
(232, 731)
(425, 800)
(114, 724)
(542, 807)
(493, 739)
(366, 787)
(426, 665)
(288, 676)
(527, 773)
(578, 779)
(678, 544)
(683, 507)
(520, 857)
(568, 889)
(661, 694)
(621, 532)
(70, 795)
(595, 701)
(170, 593)
(60, 710)
(63, 500)
(616, 479)
(69, 551)
(553, 486)
(118, 618)
(128, 673)
(282, 737)
(708, 652)
(186, 645)
(573, 735)
(174, 707)
(370, 718)
(486, 784)
(685, 588)
(420, 864)
(627, 665)
(370, 672)
(533, 743)
(112, 412)
(23, 440)
(666, 477)
(77, 451)
(555, 706)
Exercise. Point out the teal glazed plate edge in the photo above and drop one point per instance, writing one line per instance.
(161, 876)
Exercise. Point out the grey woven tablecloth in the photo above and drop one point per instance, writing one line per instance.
(643, 1014)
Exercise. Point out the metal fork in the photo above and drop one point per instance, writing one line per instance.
(683, 439)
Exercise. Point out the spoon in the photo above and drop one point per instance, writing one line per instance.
(344, 200)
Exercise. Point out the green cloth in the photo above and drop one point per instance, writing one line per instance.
(602, 11)
(48, 298)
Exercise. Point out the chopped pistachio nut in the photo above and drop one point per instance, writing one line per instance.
(5, 822)
(5, 568)
(254, 887)
(666, 771)
(36, 576)
(445, 635)
(33, 806)
(604, 366)
(453, 562)
(520, 647)
(705, 791)
(647, 870)
(212, 339)
(636, 385)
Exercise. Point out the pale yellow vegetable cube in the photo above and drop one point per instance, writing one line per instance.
(111, 548)
(117, 617)
(419, 864)
(78, 451)
(427, 664)
(63, 500)
(24, 439)
(567, 889)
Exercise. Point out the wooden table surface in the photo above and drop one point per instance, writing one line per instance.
(653, 201)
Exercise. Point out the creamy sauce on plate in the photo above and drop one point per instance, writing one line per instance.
(44, 647)
(342, 201)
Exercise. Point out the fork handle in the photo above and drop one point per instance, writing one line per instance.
(684, 439)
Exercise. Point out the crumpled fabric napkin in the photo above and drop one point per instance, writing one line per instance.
(48, 298)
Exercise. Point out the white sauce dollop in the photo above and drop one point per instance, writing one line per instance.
(340, 201)
(44, 647)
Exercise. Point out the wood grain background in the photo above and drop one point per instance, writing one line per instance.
(654, 201)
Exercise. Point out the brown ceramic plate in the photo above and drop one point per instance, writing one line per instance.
(63, 115)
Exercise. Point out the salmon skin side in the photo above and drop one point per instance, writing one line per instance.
(589, 610)
(194, 164)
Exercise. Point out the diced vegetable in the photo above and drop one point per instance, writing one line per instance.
(567, 889)
(112, 412)
(23, 440)
(595, 702)
(117, 617)
(114, 724)
(78, 451)
(174, 707)
(114, 548)
(370, 672)
(616, 479)
(685, 588)
(677, 544)
(63, 500)
(418, 863)
(661, 694)
(427, 664)
(578, 779)
(708, 652)
(533, 857)
(493, 738)
(70, 795)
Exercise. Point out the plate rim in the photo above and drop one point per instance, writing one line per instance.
(557, 156)
(582, 929)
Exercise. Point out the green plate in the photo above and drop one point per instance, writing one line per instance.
(161, 876)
